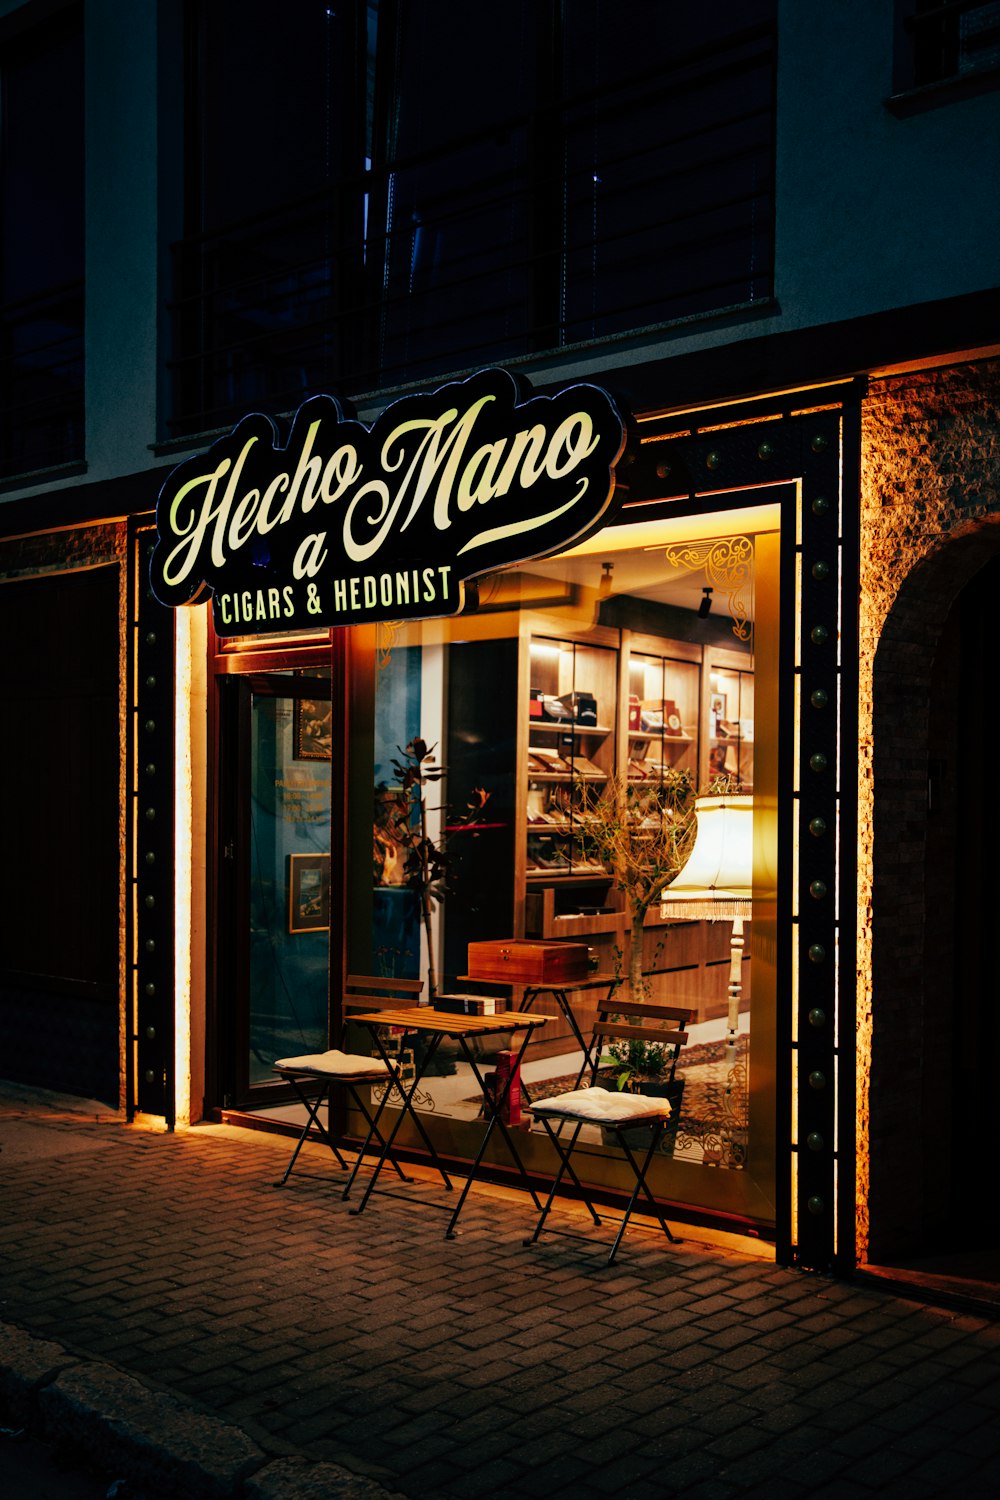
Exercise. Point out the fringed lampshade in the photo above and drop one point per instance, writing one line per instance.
(716, 884)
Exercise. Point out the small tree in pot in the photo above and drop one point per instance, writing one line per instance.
(643, 833)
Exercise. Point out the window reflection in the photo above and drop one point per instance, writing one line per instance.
(574, 680)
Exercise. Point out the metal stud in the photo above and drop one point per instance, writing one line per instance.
(820, 505)
(818, 761)
(815, 1141)
(150, 902)
(150, 857)
(149, 989)
(815, 1205)
(819, 442)
(817, 827)
(151, 813)
(713, 459)
(150, 945)
(765, 450)
(150, 1033)
(150, 769)
(821, 570)
(150, 725)
(817, 1080)
(817, 953)
(819, 635)
(817, 1017)
(817, 889)
(149, 1075)
(151, 638)
(819, 698)
(151, 682)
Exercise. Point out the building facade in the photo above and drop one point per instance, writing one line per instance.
(770, 245)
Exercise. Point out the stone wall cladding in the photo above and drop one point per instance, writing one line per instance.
(930, 518)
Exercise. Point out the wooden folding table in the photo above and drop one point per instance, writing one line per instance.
(435, 1025)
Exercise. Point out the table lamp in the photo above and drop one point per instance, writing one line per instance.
(716, 883)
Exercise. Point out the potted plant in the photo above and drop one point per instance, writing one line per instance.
(401, 833)
(644, 1067)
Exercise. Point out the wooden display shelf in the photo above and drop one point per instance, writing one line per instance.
(567, 776)
(566, 726)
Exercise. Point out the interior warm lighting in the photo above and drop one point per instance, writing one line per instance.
(705, 606)
(716, 884)
(653, 536)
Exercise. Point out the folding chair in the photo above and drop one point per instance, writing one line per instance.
(350, 1070)
(617, 1112)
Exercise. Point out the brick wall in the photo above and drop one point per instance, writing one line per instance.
(930, 519)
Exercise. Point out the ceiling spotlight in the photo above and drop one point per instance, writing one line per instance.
(607, 569)
(705, 605)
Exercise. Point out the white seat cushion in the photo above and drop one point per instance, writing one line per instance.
(602, 1106)
(334, 1064)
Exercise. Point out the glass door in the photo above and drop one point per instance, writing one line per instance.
(274, 879)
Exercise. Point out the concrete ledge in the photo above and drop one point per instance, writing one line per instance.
(26, 1363)
(148, 1436)
(157, 1440)
(300, 1479)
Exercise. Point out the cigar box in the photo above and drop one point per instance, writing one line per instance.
(528, 961)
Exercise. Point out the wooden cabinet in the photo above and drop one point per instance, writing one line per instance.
(664, 715)
(542, 716)
(569, 755)
(611, 701)
(730, 723)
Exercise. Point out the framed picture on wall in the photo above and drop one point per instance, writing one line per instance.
(313, 737)
(308, 892)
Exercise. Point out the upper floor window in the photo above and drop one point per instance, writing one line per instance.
(941, 40)
(41, 250)
(383, 191)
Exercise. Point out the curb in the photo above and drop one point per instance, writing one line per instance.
(154, 1438)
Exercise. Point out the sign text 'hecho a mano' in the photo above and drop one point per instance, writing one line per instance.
(346, 523)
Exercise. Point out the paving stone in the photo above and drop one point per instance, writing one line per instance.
(460, 1369)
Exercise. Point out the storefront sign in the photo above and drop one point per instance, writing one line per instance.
(346, 524)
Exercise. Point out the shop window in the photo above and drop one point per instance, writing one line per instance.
(588, 691)
(946, 40)
(424, 189)
(41, 268)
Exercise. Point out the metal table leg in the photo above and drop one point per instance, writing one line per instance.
(406, 1108)
(494, 1118)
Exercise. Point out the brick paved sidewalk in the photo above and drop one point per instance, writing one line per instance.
(477, 1366)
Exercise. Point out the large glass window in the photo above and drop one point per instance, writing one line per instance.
(41, 252)
(589, 689)
(426, 188)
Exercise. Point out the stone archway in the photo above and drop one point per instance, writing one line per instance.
(934, 998)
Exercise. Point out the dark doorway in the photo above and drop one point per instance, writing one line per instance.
(955, 1242)
(60, 876)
